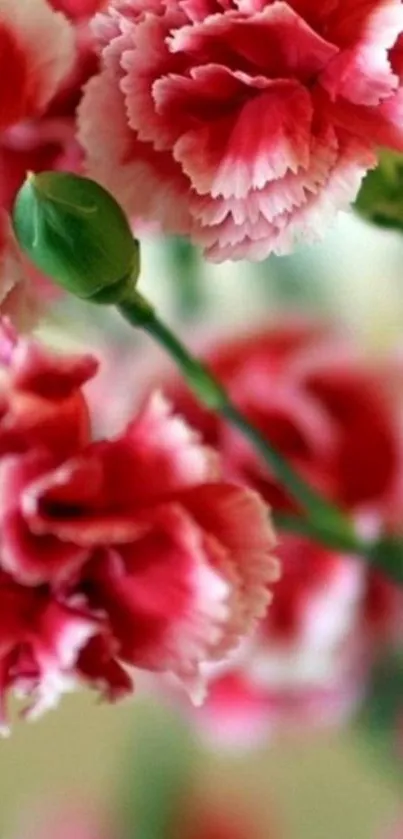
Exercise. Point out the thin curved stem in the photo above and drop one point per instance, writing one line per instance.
(318, 519)
(214, 396)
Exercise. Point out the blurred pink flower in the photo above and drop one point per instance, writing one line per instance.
(329, 409)
(242, 714)
(337, 417)
(307, 664)
(43, 417)
(123, 553)
(17, 299)
(178, 561)
(248, 124)
(45, 138)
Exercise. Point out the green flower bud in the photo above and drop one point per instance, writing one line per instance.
(380, 199)
(77, 234)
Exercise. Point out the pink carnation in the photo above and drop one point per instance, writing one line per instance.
(307, 664)
(117, 554)
(245, 124)
(177, 560)
(336, 417)
(37, 52)
(43, 137)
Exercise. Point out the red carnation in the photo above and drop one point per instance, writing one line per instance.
(248, 124)
(335, 416)
(124, 553)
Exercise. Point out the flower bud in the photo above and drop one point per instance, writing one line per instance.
(74, 231)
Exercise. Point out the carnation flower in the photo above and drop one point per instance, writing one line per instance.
(244, 125)
(43, 137)
(37, 53)
(325, 406)
(307, 664)
(116, 554)
(177, 560)
(78, 9)
(336, 417)
(242, 713)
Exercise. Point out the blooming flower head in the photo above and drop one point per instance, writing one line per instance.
(245, 124)
(307, 663)
(335, 417)
(178, 560)
(117, 554)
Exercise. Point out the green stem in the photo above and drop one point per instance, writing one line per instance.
(326, 522)
(345, 541)
(311, 502)
(318, 519)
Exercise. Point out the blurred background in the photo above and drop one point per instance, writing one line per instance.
(306, 785)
